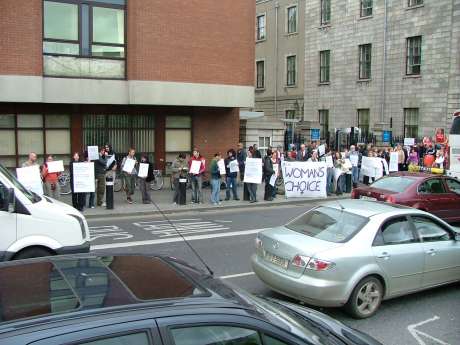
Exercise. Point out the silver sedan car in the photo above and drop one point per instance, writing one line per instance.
(356, 253)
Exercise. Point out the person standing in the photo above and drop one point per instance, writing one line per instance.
(179, 170)
(268, 172)
(129, 176)
(413, 158)
(78, 199)
(241, 157)
(302, 155)
(257, 153)
(144, 182)
(51, 180)
(339, 164)
(230, 164)
(354, 159)
(196, 177)
(215, 180)
(32, 161)
(252, 187)
(100, 167)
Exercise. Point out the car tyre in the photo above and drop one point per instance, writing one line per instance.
(365, 299)
(34, 252)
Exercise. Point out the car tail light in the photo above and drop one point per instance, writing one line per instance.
(391, 199)
(319, 265)
(354, 194)
(300, 261)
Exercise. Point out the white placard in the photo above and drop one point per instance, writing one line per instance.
(233, 166)
(321, 150)
(55, 166)
(253, 170)
(329, 162)
(221, 166)
(129, 165)
(83, 178)
(304, 179)
(93, 153)
(393, 161)
(385, 165)
(195, 167)
(372, 167)
(347, 163)
(409, 141)
(143, 170)
(276, 169)
(30, 178)
(354, 159)
(272, 181)
(110, 161)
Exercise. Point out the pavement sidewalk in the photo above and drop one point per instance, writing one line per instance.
(163, 199)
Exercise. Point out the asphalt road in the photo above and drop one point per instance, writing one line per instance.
(225, 241)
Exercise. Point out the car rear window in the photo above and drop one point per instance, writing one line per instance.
(397, 184)
(328, 224)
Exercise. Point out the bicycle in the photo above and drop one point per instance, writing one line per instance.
(64, 183)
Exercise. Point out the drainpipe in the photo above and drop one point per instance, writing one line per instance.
(384, 62)
(277, 5)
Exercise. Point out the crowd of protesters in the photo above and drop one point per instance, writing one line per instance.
(426, 153)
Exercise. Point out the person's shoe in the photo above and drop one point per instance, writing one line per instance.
(129, 200)
(92, 207)
(252, 201)
(219, 203)
(270, 199)
(104, 204)
(227, 199)
(237, 199)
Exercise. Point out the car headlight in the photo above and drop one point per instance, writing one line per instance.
(82, 225)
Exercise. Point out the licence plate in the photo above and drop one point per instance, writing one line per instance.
(363, 197)
(276, 260)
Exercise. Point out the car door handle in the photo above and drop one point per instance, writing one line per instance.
(431, 252)
(384, 255)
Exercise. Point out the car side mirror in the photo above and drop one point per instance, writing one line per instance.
(9, 201)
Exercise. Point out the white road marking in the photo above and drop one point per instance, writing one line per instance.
(176, 239)
(113, 231)
(184, 226)
(416, 333)
(237, 275)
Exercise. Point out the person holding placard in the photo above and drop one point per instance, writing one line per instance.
(128, 167)
(354, 159)
(241, 157)
(252, 187)
(339, 165)
(231, 169)
(31, 161)
(179, 170)
(268, 172)
(215, 179)
(51, 180)
(144, 177)
(197, 168)
(78, 199)
(100, 166)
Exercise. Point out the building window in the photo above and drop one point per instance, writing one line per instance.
(84, 39)
(178, 136)
(264, 144)
(121, 131)
(366, 8)
(260, 30)
(260, 78)
(325, 12)
(324, 66)
(412, 3)
(363, 120)
(291, 19)
(291, 70)
(290, 115)
(324, 123)
(414, 55)
(365, 61)
(411, 122)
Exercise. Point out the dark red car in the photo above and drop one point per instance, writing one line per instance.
(436, 194)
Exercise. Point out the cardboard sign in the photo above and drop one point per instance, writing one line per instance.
(409, 141)
(143, 170)
(329, 162)
(221, 166)
(354, 159)
(93, 153)
(393, 161)
(304, 179)
(233, 166)
(83, 178)
(195, 167)
(129, 165)
(110, 161)
(30, 178)
(253, 170)
(273, 180)
(321, 150)
(276, 169)
(55, 166)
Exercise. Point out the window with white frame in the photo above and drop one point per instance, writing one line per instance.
(325, 12)
(411, 119)
(260, 29)
(412, 3)
(291, 70)
(260, 77)
(291, 19)
(264, 144)
(365, 61)
(366, 8)
(414, 55)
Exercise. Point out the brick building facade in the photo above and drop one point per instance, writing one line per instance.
(162, 76)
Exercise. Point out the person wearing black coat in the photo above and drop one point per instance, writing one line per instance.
(145, 181)
(78, 199)
(268, 172)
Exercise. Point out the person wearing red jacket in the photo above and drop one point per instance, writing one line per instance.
(196, 171)
(51, 181)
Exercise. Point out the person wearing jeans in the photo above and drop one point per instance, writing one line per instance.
(231, 168)
(215, 180)
(252, 187)
(196, 171)
(354, 158)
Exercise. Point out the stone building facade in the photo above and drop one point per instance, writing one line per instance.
(393, 65)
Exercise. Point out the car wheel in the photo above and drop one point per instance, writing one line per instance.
(365, 298)
(32, 253)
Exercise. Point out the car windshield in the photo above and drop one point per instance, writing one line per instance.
(396, 184)
(328, 224)
(29, 195)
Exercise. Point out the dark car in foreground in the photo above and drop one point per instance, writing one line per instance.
(437, 194)
(147, 300)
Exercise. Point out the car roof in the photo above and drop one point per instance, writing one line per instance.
(62, 287)
(365, 208)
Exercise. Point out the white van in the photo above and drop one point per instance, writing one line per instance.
(32, 225)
